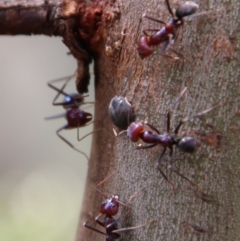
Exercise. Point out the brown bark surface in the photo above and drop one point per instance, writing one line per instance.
(209, 69)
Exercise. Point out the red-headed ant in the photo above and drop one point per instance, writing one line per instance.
(110, 208)
(76, 117)
(168, 140)
(168, 33)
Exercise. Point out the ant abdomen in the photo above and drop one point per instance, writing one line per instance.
(134, 130)
(110, 206)
(187, 144)
(186, 9)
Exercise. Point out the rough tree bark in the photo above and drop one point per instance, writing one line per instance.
(210, 70)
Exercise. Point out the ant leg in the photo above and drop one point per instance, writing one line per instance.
(99, 222)
(135, 227)
(134, 195)
(163, 174)
(78, 135)
(60, 91)
(181, 56)
(198, 115)
(100, 183)
(55, 116)
(67, 142)
(149, 29)
(164, 47)
(55, 88)
(154, 19)
(169, 8)
(92, 228)
(205, 111)
(187, 179)
(71, 104)
(172, 107)
(129, 228)
(161, 157)
(85, 103)
(128, 201)
(152, 127)
(146, 147)
(116, 220)
(181, 175)
(120, 133)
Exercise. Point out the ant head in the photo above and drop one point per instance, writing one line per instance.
(187, 144)
(134, 130)
(121, 112)
(186, 9)
(143, 48)
(110, 206)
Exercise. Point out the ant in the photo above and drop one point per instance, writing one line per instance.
(110, 208)
(167, 33)
(197, 228)
(168, 140)
(76, 117)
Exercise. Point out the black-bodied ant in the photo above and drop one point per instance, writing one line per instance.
(168, 140)
(167, 33)
(197, 228)
(110, 208)
(76, 117)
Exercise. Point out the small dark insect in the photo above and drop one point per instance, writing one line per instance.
(76, 117)
(187, 226)
(121, 112)
(168, 33)
(168, 140)
(206, 198)
(110, 208)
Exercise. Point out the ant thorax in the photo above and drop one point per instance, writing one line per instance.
(110, 206)
(73, 99)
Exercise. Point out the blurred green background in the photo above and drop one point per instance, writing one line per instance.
(41, 178)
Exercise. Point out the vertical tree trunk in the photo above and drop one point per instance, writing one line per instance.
(209, 69)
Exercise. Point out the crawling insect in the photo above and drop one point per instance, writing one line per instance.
(75, 116)
(168, 140)
(168, 32)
